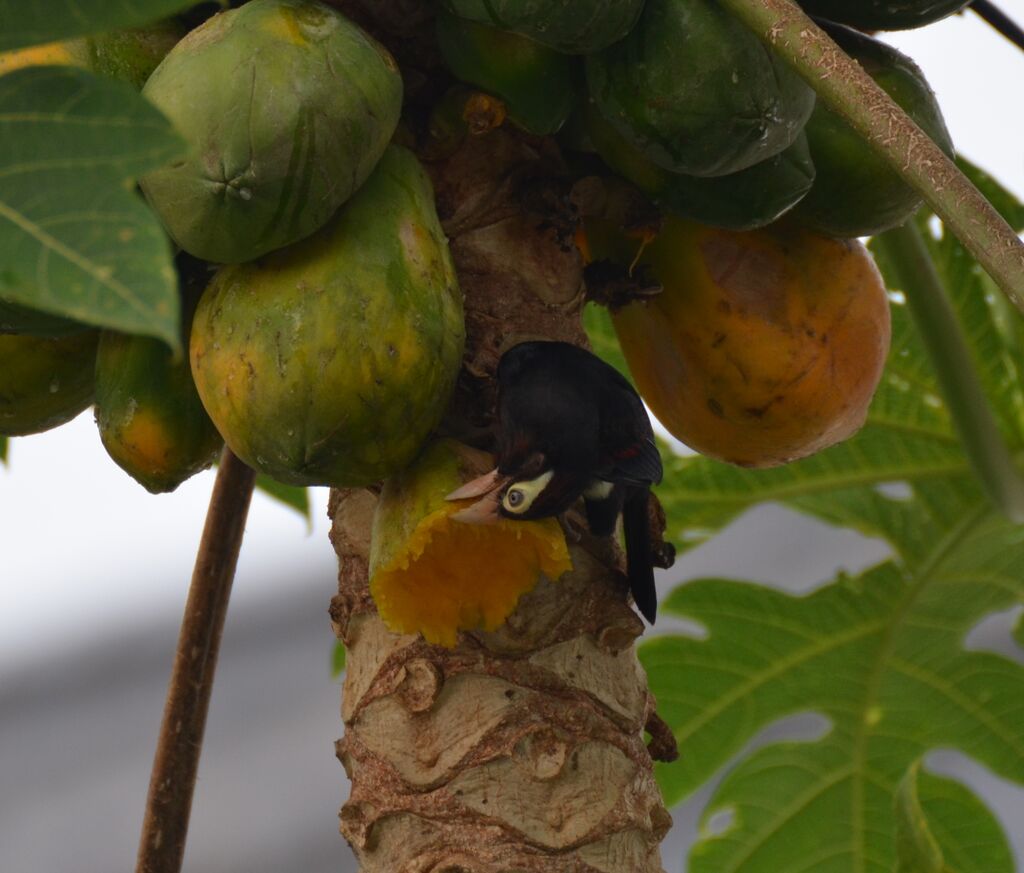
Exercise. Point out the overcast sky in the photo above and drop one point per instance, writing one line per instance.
(84, 549)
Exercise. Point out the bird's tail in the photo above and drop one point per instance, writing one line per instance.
(638, 553)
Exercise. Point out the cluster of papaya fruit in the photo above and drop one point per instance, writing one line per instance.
(324, 344)
(772, 327)
(320, 304)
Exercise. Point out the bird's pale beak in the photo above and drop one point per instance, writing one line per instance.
(484, 511)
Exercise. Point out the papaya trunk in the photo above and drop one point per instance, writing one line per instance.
(520, 749)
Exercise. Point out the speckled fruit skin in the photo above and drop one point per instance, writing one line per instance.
(44, 382)
(765, 346)
(571, 26)
(696, 91)
(287, 107)
(329, 362)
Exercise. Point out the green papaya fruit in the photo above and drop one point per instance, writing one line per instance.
(855, 193)
(287, 107)
(697, 92)
(15, 318)
(329, 362)
(534, 81)
(883, 14)
(577, 27)
(129, 55)
(150, 418)
(44, 381)
(750, 198)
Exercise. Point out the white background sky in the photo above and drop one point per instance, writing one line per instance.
(85, 550)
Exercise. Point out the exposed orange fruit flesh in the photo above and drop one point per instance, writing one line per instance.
(435, 576)
(453, 576)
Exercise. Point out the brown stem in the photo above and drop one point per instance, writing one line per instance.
(995, 17)
(844, 87)
(172, 783)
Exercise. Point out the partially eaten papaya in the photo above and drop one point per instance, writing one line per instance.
(764, 346)
(426, 569)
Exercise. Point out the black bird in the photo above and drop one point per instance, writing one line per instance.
(571, 426)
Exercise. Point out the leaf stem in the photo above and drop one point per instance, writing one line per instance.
(954, 367)
(165, 825)
(844, 87)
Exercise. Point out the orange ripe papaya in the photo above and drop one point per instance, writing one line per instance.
(765, 346)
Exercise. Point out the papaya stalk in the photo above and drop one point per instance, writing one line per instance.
(849, 91)
(954, 368)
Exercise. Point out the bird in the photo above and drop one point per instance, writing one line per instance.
(570, 425)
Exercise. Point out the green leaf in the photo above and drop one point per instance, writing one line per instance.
(916, 849)
(598, 325)
(294, 496)
(935, 818)
(879, 655)
(38, 21)
(75, 238)
(337, 659)
(3, 450)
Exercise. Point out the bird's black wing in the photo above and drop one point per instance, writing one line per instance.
(626, 436)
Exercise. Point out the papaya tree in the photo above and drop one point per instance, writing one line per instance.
(433, 255)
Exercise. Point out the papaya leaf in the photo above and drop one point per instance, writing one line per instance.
(23, 24)
(337, 659)
(75, 238)
(294, 496)
(598, 325)
(931, 811)
(880, 654)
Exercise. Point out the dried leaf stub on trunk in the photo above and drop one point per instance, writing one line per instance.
(435, 576)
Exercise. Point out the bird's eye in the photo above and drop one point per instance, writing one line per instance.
(514, 498)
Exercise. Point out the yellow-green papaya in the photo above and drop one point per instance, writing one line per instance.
(151, 420)
(577, 27)
(287, 107)
(44, 381)
(855, 193)
(329, 362)
(696, 91)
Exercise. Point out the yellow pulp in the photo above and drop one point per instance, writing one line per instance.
(452, 576)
